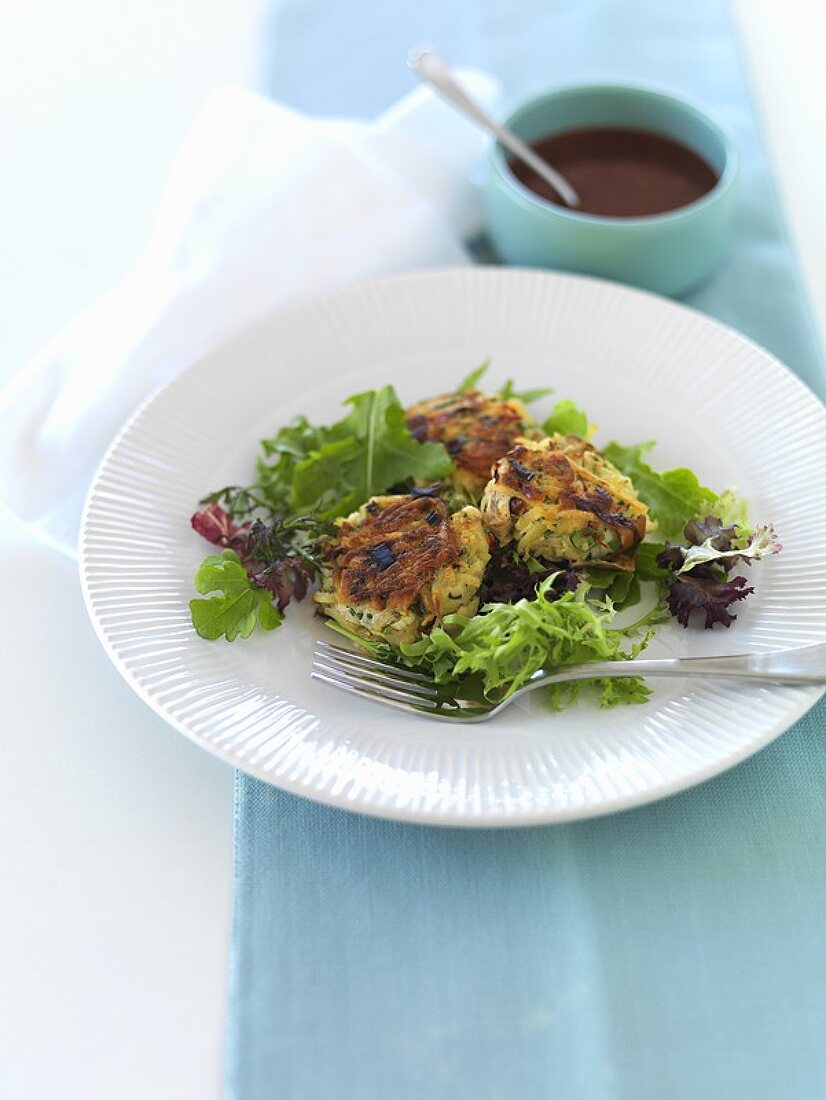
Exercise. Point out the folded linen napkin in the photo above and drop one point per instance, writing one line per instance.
(263, 205)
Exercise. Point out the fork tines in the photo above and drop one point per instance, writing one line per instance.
(375, 680)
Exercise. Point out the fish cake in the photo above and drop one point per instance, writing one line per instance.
(476, 429)
(560, 500)
(400, 564)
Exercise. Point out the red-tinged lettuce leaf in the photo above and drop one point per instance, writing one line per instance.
(726, 547)
(674, 496)
(508, 579)
(697, 574)
(702, 592)
(279, 557)
(217, 526)
(287, 580)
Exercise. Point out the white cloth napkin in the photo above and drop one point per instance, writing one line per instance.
(263, 205)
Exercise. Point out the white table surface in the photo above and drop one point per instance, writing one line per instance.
(115, 858)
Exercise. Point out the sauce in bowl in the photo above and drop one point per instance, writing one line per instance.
(619, 172)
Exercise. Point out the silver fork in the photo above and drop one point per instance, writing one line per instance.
(410, 690)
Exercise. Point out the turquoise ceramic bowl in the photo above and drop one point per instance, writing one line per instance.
(669, 253)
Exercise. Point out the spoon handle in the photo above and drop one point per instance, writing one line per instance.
(433, 70)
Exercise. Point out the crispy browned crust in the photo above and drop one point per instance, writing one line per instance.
(389, 559)
(528, 473)
(476, 429)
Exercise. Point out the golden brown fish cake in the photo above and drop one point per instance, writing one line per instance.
(475, 427)
(402, 563)
(560, 500)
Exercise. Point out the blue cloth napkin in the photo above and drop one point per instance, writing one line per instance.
(676, 951)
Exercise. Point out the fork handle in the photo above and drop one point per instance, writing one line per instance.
(803, 665)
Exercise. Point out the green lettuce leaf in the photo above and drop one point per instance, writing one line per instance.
(567, 418)
(469, 382)
(368, 452)
(609, 692)
(674, 496)
(622, 589)
(240, 605)
(506, 643)
(289, 446)
(732, 510)
(527, 397)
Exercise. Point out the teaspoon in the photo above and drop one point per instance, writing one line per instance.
(433, 70)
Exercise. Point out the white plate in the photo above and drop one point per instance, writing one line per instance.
(643, 368)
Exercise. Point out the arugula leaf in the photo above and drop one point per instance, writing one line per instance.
(469, 382)
(527, 397)
(289, 446)
(368, 452)
(567, 418)
(295, 440)
(674, 496)
(236, 610)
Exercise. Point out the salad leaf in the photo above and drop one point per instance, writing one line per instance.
(240, 604)
(296, 440)
(697, 573)
(732, 509)
(508, 390)
(623, 589)
(289, 446)
(368, 452)
(509, 578)
(622, 691)
(469, 382)
(567, 418)
(708, 594)
(506, 643)
(217, 525)
(673, 496)
(647, 566)
(724, 545)
(282, 555)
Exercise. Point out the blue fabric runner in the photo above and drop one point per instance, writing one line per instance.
(675, 951)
